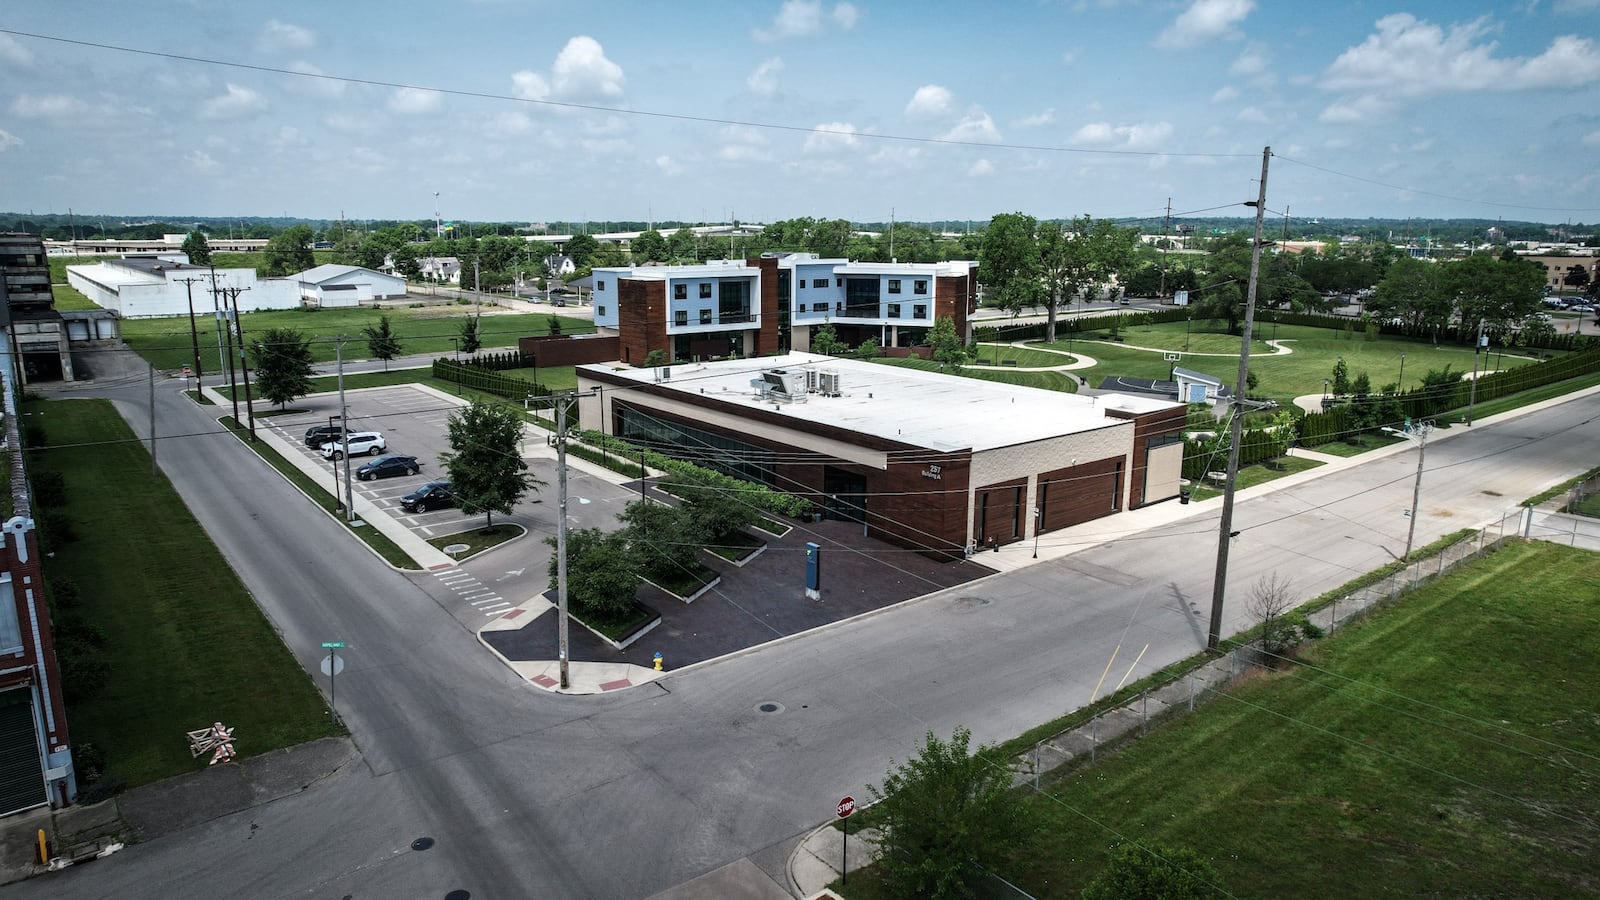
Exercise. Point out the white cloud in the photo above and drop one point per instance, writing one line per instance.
(1422, 145)
(200, 159)
(1135, 136)
(48, 106)
(1414, 57)
(668, 165)
(1592, 138)
(1037, 119)
(9, 140)
(931, 101)
(831, 137)
(1355, 110)
(514, 122)
(1224, 94)
(278, 36)
(289, 136)
(529, 85)
(1205, 20)
(1253, 61)
(980, 168)
(1068, 57)
(326, 87)
(238, 102)
(582, 71)
(13, 53)
(415, 101)
(742, 143)
(974, 127)
(1252, 114)
(764, 80)
(806, 18)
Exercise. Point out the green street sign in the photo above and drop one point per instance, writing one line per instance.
(333, 645)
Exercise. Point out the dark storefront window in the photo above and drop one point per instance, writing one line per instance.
(861, 297)
(681, 440)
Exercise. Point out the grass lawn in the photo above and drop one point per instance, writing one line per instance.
(1329, 780)
(735, 547)
(479, 539)
(1260, 473)
(1053, 381)
(68, 297)
(184, 641)
(994, 354)
(1356, 445)
(1282, 377)
(166, 342)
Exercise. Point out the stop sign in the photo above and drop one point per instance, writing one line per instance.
(846, 807)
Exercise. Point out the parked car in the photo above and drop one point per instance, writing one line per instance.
(433, 495)
(317, 435)
(1580, 308)
(388, 467)
(356, 444)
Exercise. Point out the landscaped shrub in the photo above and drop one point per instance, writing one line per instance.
(49, 489)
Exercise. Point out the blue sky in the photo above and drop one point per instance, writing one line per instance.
(1106, 107)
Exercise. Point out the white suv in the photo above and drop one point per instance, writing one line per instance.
(357, 443)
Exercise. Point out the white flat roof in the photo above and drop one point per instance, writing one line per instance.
(714, 269)
(923, 409)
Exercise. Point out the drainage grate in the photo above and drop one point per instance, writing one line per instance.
(769, 707)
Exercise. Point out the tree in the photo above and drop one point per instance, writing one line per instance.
(1078, 258)
(282, 360)
(381, 341)
(649, 246)
(830, 237)
(681, 245)
(1009, 262)
(405, 261)
(1577, 277)
(485, 463)
(290, 251)
(470, 341)
(1155, 873)
(1412, 293)
(1341, 378)
(948, 347)
(601, 571)
(580, 247)
(1492, 294)
(665, 539)
(554, 323)
(943, 809)
(826, 342)
(198, 249)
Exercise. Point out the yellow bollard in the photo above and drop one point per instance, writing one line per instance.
(659, 661)
(44, 850)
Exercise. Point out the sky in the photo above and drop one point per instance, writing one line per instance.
(526, 110)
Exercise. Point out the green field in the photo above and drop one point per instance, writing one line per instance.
(1282, 376)
(167, 344)
(1446, 747)
(184, 642)
(1053, 381)
(68, 297)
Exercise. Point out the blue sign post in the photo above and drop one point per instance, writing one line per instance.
(813, 570)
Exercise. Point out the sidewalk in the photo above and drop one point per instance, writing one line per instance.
(79, 834)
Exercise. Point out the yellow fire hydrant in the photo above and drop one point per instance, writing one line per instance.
(659, 662)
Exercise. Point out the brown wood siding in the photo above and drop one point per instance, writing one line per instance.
(954, 298)
(642, 319)
(1145, 427)
(999, 513)
(1079, 493)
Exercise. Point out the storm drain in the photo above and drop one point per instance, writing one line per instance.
(769, 707)
(422, 843)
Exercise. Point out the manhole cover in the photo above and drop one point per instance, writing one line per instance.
(770, 707)
(968, 604)
(453, 549)
(457, 895)
(422, 843)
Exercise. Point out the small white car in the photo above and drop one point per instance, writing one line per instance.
(357, 443)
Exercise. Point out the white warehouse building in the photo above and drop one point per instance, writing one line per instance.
(344, 286)
(150, 286)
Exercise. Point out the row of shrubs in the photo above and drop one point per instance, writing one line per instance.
(1255, 445)
(617, 453)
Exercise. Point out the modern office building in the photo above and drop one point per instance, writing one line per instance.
(933, 462)
(776, 303)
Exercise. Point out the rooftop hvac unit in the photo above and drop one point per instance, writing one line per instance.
(828, 384)
(811, 379)
(785, 385)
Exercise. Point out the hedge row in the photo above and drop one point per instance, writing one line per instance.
(619, 450)
(1255, 445)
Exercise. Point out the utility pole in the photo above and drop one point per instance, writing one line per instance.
(561, 538)
(1165, 222)
(194, 333)
(225, 323)
(244, 367)
(1236, 425)
(1472, 392)
(1421, 432)
(153, 469)
(344, 439)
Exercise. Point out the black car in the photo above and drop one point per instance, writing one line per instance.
(433, 495)
(388, 467)
(317, 435)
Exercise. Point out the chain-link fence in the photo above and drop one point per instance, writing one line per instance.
(1584, 498)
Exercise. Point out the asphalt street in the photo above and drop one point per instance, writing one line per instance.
(525, 793)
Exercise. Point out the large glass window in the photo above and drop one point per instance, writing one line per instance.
(894, 285)
(861, 297)
(705, 290)
(733, 301)
(680, 292)
(680, 440)
(680, 317)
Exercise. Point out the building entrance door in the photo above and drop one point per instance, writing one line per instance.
(844, 495)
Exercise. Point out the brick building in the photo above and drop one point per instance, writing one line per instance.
(773, 304)
(936, 463)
